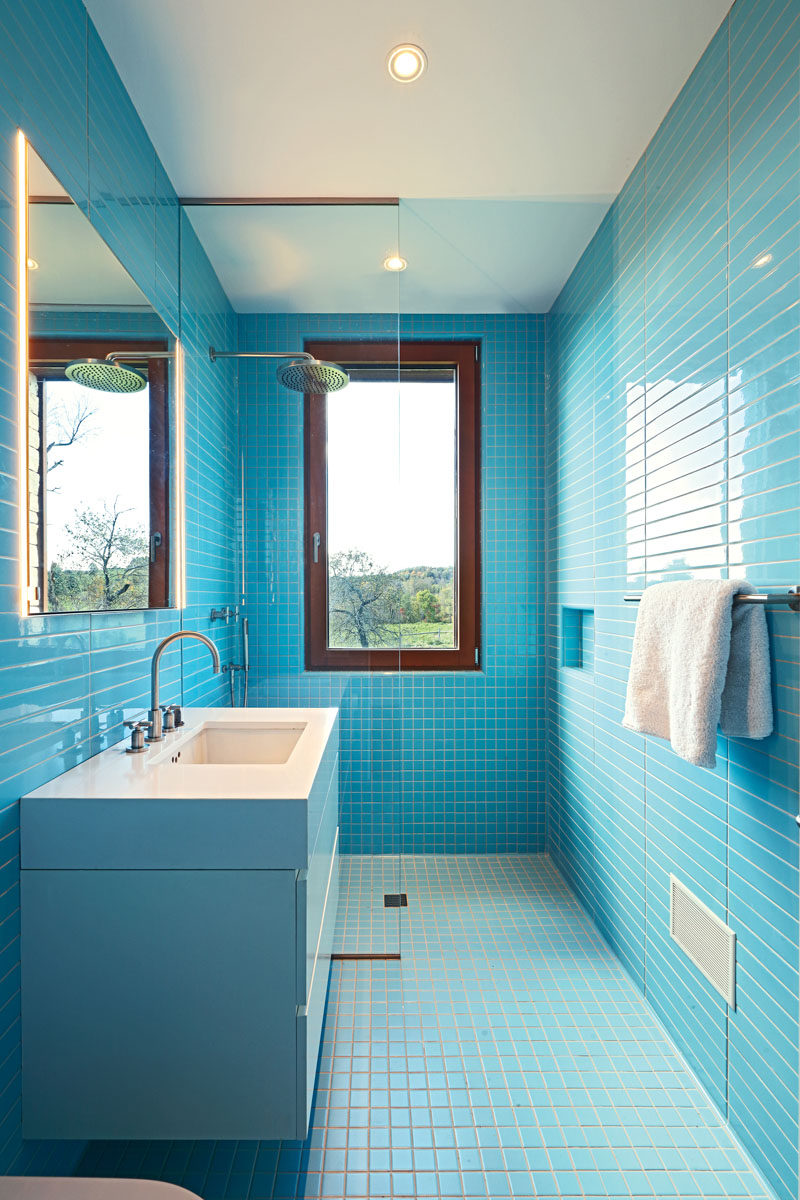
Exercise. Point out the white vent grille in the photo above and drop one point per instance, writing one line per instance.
(709, 942)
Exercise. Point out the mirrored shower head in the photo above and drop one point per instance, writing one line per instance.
(105, 376)
(303, 373)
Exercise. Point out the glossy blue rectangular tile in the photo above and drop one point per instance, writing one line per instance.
(67, 681)
(697, 367)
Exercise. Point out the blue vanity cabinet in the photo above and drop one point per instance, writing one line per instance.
(178, 1003)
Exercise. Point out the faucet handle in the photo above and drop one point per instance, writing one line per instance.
(169, 717)
(177, 715)
(137, 729)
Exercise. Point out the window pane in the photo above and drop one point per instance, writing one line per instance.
(391, 504)
(96, 497)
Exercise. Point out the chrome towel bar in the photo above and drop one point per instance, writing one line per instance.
(790, 597)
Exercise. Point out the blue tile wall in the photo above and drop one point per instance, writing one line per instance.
(213, 519)
(430, 762)
(87, 323)
(67, 681)
(673, 450)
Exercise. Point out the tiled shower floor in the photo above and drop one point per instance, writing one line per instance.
(507, 1054)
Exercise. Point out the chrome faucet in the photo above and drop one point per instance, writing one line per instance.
(154, 717)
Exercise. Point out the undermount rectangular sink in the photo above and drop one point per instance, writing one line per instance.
(252, 745)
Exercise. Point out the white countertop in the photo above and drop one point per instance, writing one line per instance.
(116, 775)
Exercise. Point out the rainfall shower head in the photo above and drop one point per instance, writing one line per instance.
(303, 373)
(108, 374)
(105, 376)
(312, 376)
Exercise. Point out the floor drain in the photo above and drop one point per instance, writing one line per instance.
(395, 900)
(365, 956)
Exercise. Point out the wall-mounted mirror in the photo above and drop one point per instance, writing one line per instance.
(103, 430)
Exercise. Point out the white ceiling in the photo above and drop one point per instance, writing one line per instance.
(544, 100)
(292, 98)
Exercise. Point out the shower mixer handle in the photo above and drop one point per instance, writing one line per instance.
(225, 614)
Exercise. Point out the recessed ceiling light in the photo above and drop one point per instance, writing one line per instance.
(406, 63)
(763, 260)
(394, 263)
(32, 264)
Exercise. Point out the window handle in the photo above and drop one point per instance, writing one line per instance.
(155, 542)
(315, 541)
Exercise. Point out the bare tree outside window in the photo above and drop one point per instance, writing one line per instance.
(95, 463)
(364, 601)
(370, 607)
(69, 421)
(107, 565)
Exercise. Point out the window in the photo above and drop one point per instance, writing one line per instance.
(393, 509)
(98, 472)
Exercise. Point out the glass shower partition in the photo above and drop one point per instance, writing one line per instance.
(321, 508)
(478, 275)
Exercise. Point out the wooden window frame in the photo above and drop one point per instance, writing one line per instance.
(464, 356)
(67, 349)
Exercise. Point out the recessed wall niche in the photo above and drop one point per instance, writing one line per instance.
(577, 638)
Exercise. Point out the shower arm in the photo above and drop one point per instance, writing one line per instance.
(141, 356)
(299, 371)
(114, 357)
(215, 354)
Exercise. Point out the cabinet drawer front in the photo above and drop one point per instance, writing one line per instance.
(311, 1015)
(313, 886)
(159, 1004)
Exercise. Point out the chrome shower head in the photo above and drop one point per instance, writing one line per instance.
(311, 375)
(303, 373)
(105, 376)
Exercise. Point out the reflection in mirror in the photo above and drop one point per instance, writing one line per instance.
(101, 421)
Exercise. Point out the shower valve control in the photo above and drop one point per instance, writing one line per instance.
(225, 614)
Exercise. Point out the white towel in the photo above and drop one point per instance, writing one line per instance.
(699, 661)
